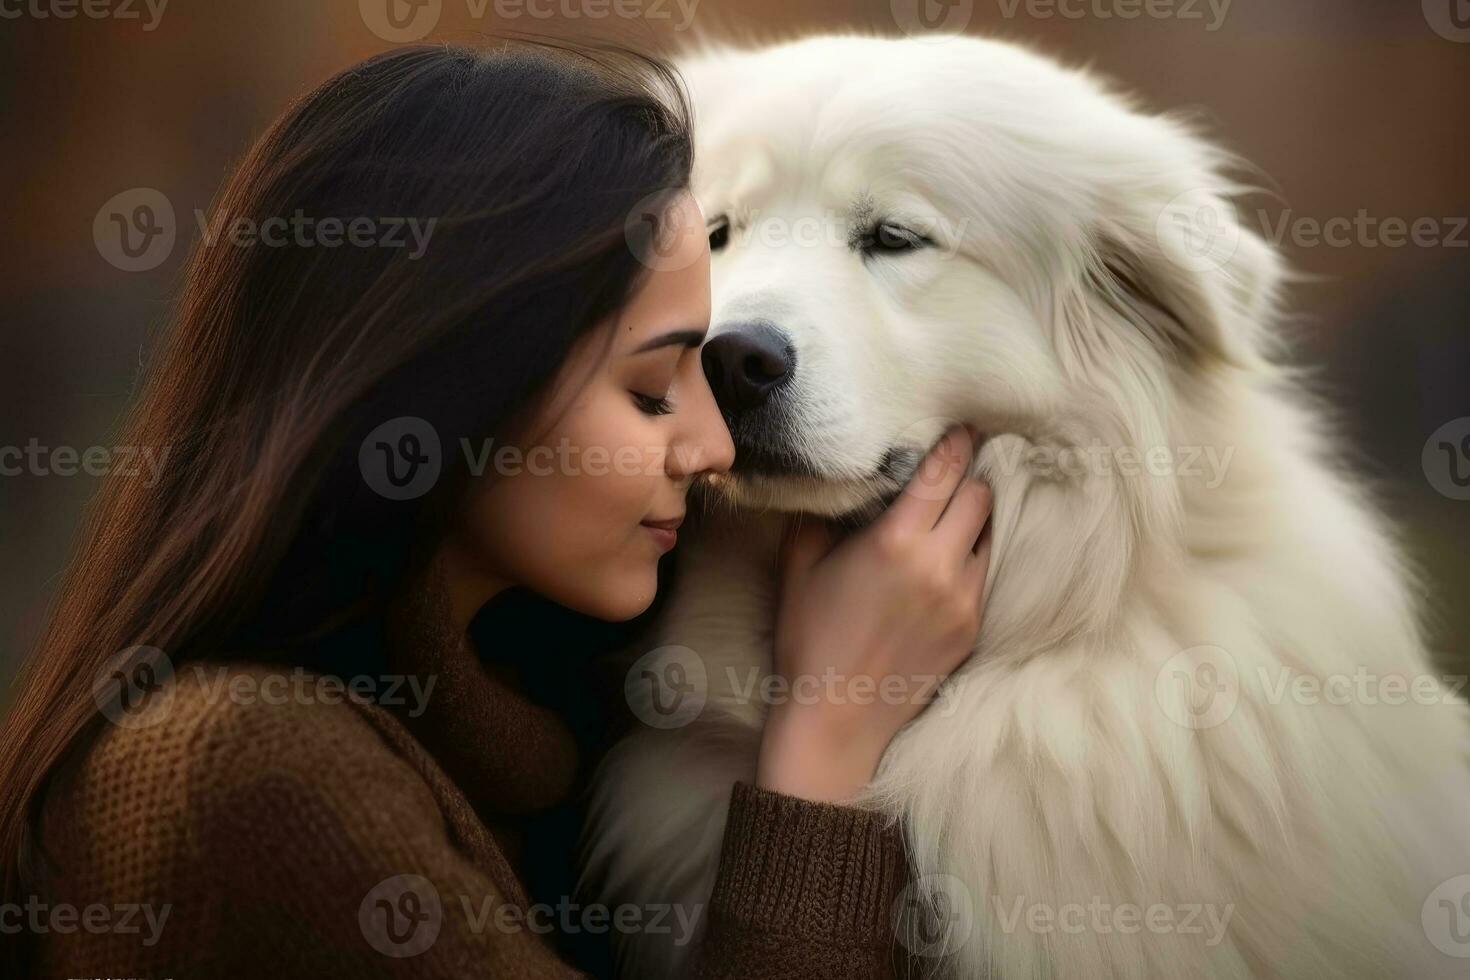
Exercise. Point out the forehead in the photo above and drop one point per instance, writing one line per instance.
(836, 155)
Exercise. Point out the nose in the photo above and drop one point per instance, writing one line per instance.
(745, 364)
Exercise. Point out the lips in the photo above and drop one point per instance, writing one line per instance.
(664, 533)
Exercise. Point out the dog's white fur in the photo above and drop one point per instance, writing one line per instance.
(1059, 306)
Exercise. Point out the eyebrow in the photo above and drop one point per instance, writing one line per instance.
(689, 338)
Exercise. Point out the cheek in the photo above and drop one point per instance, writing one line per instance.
(565, 520)
(572, 539)
(612, 468)
(579, 510)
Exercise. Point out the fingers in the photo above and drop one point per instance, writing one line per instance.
(960, 526)
(929, 490)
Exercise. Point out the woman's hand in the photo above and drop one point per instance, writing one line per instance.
(867, 629)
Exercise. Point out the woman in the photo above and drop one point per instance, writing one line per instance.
(186, 788)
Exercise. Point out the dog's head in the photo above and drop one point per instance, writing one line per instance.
(908, 233)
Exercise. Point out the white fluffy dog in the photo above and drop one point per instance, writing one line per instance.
(1200, 735)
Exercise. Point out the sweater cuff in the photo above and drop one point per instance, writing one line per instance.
(817, 871)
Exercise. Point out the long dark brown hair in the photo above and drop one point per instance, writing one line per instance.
(262, 539)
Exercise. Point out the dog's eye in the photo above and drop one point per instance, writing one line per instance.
(719, 233)
(886, 238)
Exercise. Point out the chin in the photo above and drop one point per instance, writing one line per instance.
(623, 597)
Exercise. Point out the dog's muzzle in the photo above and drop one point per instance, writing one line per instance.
(750, 367)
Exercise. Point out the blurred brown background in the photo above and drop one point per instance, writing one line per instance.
(1354, 110)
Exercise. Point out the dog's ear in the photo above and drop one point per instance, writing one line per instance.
(1181, 266)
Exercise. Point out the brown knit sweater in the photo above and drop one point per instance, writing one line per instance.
(232, 835)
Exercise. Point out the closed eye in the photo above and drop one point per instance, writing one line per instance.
(652, 404)
(887, 238)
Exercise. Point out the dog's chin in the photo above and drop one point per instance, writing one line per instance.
(852, 500)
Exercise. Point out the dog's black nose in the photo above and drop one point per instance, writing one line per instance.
(745, 364)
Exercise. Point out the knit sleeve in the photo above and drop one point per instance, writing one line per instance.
(804, 890)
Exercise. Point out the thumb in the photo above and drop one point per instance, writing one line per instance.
(807, 541)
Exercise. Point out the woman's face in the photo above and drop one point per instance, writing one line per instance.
(625, 431)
